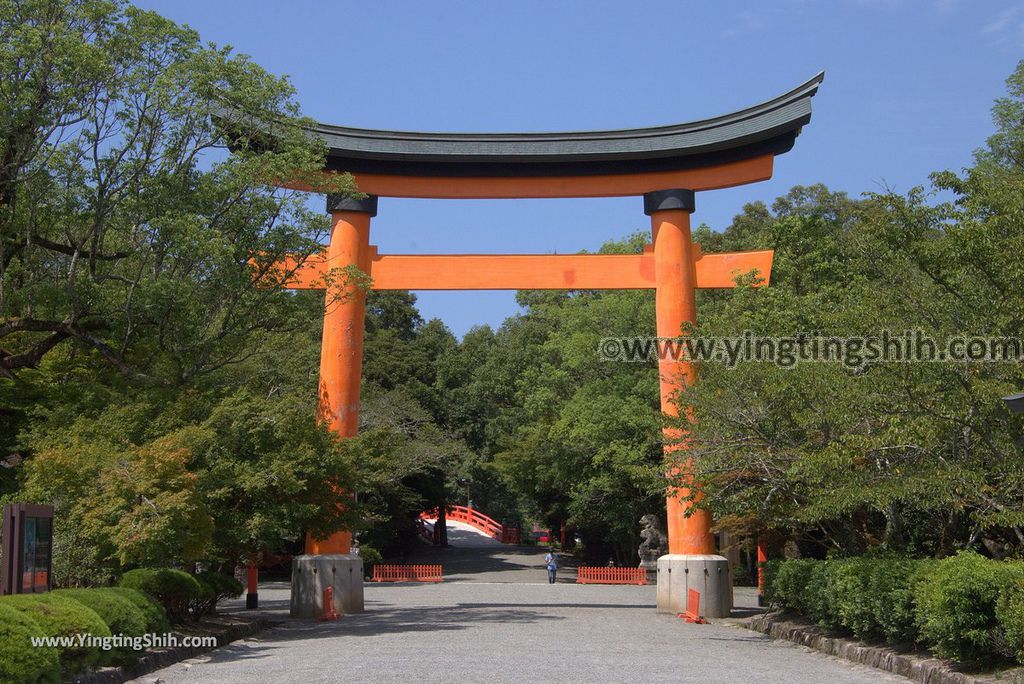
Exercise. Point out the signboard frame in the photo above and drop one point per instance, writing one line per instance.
(26, 566)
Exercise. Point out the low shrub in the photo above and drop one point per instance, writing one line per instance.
(371, 557)
(59, 616)
(892, 589)
(820, 594)
(121, 616)
(172, 589)
(1010, 616)
(153, 612)
(956, 605)
(787, 583)
(213, 588)
(968, 608)
(853, 608)
(770, 569)
(19, 660)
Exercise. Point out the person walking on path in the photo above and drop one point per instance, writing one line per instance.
(551, 560)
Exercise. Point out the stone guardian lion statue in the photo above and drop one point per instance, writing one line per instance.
(653, 544)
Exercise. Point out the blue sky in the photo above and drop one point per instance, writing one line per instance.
(907, 91)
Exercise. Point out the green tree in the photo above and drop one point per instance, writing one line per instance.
(126, 233)
(910, 457)
(137, 290)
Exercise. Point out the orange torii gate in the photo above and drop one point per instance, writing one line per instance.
(666, 165)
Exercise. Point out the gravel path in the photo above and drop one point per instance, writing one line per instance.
(475, 557)
(473, 629)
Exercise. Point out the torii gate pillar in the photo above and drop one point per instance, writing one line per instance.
(341, 351)
(327, 562)
(691, 562)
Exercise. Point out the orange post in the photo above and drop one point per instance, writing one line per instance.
(762, 558)
(329, 614)
(252, 586)
(675, 305)
(341, 353)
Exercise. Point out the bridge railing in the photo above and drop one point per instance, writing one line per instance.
(599, 575)
(486, 524)
(406, 573)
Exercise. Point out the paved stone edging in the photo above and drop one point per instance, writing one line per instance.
(917, 668)
(226, 629)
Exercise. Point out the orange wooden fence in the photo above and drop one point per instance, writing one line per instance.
(406, 573)
(598, 575)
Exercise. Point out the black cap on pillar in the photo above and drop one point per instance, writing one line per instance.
(366, 205)
(665, 200)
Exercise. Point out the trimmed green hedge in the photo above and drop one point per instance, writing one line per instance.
(213, 588)
(893, 585)
(957, 605)
(121, 615)
(787, 583)
(156, 617)
(1010, 616)
(172, 589)
(967, 607)
(100, 612)
(59, 616)
(371, 557)
(19, 660)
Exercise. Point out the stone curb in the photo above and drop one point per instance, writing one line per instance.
(226, 629)
(920, 669)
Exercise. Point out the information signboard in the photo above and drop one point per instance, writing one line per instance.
(26, 561)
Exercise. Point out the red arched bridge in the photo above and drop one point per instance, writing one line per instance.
(486, 524)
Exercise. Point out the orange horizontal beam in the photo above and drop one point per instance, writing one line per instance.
(531, 272)
(514, 272)
(720, 270)
(712, 177)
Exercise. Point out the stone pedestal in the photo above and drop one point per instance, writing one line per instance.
(311, 575)
(709, 575)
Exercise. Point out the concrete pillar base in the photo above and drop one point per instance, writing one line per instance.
(311, 575)
(707, 574)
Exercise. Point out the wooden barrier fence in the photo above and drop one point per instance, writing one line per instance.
(692, 613)
(406, 573)
(598, 575)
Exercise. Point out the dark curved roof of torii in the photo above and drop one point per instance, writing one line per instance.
(767, 128)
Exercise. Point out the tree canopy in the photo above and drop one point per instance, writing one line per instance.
(910, 457)
(126, 231)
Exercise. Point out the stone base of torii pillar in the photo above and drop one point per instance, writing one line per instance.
(311, 575)
(710, 575)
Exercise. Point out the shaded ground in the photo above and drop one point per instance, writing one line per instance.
(478, 627)
(474, 557)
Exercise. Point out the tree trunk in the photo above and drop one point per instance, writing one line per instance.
(442, 525)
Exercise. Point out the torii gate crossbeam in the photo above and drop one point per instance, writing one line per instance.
(528, 271)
